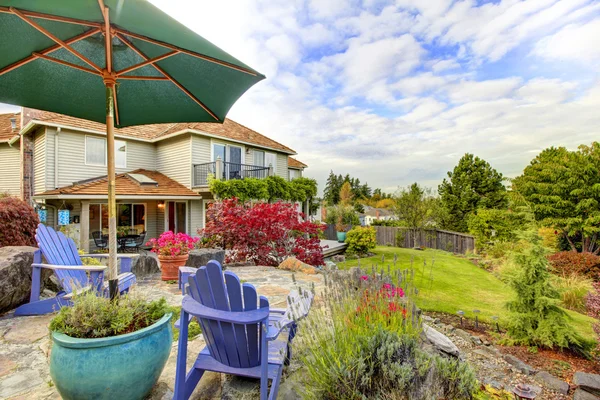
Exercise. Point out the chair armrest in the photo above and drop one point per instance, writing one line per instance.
(72, 267)
(105, 255)
(277, 327)
(198, 310)
(278, 310)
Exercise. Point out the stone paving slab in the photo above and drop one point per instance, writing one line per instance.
(25, 342)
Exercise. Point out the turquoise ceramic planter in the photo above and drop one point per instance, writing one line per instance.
(341, 237)
(120, 367)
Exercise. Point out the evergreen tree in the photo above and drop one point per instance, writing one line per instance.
(471, 185)
(536, 318)
(331, 193)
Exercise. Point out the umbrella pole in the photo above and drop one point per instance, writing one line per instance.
(112, 206)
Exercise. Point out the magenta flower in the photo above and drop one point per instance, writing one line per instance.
(364, 278)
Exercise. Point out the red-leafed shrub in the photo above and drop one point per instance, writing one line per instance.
(570, 262)
(592, 301)
(265, 233)
(18, 222)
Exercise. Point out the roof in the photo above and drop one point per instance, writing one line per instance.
(293, 163)
(126, 186)
(6, 131)
(155, 132)
(379, 212)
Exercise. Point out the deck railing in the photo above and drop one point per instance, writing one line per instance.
(227, 171)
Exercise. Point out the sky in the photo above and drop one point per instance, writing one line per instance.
(395, 92)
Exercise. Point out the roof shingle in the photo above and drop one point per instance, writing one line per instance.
(126, 185)
(6, 130)
(293, 163)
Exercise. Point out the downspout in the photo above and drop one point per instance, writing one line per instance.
(56, 157)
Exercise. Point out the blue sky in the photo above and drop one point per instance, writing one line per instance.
(397, 91)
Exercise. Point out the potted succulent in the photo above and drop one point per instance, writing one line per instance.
(173, 252)
(103, 349)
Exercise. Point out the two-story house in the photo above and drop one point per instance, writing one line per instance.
(58, 162)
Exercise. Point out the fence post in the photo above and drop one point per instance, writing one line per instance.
(219, 168)
(270, 173)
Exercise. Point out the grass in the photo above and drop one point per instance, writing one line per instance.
(448, 283)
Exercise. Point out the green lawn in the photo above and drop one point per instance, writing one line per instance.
(454, 283)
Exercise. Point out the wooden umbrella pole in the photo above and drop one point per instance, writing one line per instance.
(112, 206)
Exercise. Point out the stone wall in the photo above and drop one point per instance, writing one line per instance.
(15, 276)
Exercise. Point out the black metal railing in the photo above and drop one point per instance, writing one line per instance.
(229, 171)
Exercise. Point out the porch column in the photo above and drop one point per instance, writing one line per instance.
(84, 226)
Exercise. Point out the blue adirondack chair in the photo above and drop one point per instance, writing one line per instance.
(62, 257)
(241, 335)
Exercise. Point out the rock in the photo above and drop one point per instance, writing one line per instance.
(29, 329)
(330, 266)
(6, 365)
(15, 276)
(440, 341)
(519, 365)
(19, 382)
(145, 264)
(292, 386)
(463, 335)
(427, 318)
(200, 257)
(338, 258)
(552, 382)
(581, 394)
(295, 265)
(588, 382)
(476, 340)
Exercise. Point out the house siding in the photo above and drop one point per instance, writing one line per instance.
(39, 161)
(10, 165)
(174, 159)
(196, 217)
(71, 158)
(282, 166)
(200, 150)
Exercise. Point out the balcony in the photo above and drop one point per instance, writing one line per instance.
(227, 171)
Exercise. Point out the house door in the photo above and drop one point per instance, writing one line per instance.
(177, 216)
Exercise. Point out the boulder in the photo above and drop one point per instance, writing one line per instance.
(200, 257)
(15, 276)
(519, 365)
(552, 382)
(338, 258)
(440, 341)
(588, 382)
(295, 265)
(581, 394)
(330, 266)
(145, 264)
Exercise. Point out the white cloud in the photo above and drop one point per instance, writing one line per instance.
(574, 43)
(469, 91)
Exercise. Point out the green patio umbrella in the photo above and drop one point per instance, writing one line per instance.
(119, 62)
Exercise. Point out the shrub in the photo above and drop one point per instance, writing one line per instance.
(271, 188)
(573, 290)
(265, 233)
(537, 320)
(92, 316)
(570, 262)
(18, 222)
(363, 343)
(171, 244)
(550, 238)
(492, 226)
(592, 301)
(361, 239)
(344, 215)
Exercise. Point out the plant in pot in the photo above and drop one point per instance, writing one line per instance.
(173, 252)
(103, 349)
(341, 230)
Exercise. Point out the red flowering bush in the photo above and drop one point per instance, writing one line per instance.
(170, 244)
(385, 301)
(569, 262)
(265, 233)
(18, 222)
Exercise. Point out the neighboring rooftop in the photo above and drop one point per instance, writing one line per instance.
(293, 163)
(228, 129)
(128, 184)
(10, 125)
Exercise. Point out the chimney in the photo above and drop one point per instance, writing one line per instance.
(13, 123)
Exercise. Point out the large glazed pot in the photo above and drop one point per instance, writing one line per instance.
(341, 236)
(169, 266)
(120, 367)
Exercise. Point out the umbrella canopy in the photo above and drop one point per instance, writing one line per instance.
(114, 61)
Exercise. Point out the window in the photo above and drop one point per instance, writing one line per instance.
(95, 152)
(259, 158)
(271, 160)
(132, 216)
(294, 173)
(219, 152)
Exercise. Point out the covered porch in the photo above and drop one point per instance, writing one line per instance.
(148, 204)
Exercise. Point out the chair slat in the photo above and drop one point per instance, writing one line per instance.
(193, 289)
(234, 290)
(252, 332)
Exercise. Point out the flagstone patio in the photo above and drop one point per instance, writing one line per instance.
(25, 343)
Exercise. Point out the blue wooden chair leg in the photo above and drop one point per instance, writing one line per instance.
(264, 367)
(292, 334)
(275, 385)
(184, 384)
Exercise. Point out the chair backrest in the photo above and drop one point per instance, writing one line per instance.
(235, 345)
(98, 239)
(139, 241)
(60, 250)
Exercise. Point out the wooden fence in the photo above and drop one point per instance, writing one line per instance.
(432, 238)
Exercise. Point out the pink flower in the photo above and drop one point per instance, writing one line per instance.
(364, 278)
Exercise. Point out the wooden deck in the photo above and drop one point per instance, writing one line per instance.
(332, 247)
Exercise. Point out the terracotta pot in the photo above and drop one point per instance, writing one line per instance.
(169, 266)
